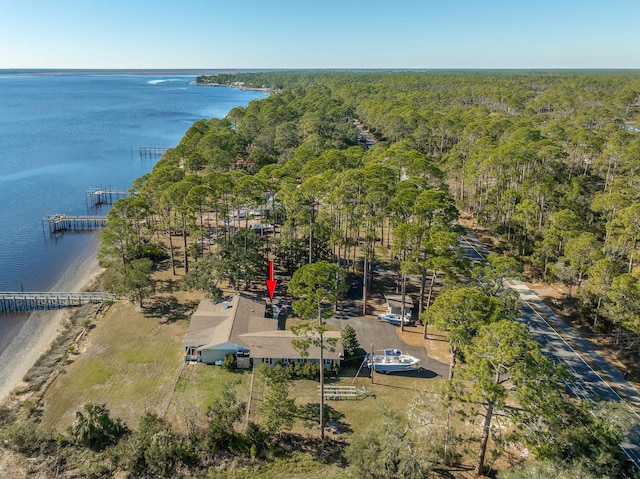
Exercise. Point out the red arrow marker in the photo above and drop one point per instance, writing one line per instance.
(271, 283)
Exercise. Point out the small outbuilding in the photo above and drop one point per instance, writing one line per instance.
(394, 304)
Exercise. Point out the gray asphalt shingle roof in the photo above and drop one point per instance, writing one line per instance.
(243, 323)
(214, 324)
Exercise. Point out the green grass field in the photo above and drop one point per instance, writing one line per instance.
(127, 361)
(131, 362)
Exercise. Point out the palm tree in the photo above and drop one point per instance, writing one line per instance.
(94, 428)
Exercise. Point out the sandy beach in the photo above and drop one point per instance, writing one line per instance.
(42, 327)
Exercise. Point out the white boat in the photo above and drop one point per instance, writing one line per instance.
(394, 318)
(391, 360)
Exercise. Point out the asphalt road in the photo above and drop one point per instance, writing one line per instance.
(588, 384)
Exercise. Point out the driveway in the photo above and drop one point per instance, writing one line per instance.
(382, 335)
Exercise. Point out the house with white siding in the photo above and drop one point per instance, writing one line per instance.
(237, 325)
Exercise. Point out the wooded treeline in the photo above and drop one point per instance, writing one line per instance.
(295, 154)
(549, 161)
(544, 160)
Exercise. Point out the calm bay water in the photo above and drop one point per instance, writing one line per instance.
(63, 134)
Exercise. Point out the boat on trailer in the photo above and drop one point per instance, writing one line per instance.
(394, 318)
(391, 360)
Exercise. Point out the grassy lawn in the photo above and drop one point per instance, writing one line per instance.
(129, 361)
(297, 466)
(393, 391)
(133, 361)
(196, 389)
(199, 384)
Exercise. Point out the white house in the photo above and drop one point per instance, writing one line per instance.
(238, 326)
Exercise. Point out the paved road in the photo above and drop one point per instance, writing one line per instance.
(535, 314)
(588, 385)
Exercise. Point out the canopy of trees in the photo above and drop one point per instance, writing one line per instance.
(546, 160)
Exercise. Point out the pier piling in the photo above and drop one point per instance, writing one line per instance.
(152, 151)
(104, 196)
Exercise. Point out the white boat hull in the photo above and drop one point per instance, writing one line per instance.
(391, 360)
(394, 318)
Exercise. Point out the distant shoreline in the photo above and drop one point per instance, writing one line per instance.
(124, 71)
(34, 332)
(239, 87)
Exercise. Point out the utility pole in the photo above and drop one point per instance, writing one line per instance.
(372, 368)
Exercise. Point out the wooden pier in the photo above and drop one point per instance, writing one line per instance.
(151, 151)
(104, 196)
(14, 302)
(60, 222)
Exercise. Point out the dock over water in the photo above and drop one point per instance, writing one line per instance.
(13, 302)
(104, 196)
(61, 222)
(152, 151)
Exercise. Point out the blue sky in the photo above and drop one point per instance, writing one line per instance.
(319, 34)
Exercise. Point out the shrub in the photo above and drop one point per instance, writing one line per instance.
(349, 341)
(27, 438)
(163, 452)
(229, 362)
(128, 454)
(257, 437)
(307, 370)
(223, 414)
(153, 448)
(311, 370)
(153, 251)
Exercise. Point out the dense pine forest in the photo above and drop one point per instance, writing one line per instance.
(361, 169)
(547, 160)
(543, 160)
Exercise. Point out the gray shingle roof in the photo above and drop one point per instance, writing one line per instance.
(243, 323)
(277, 345)
(213, 324)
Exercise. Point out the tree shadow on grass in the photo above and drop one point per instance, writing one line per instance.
(169, 308)
(163, 265)
(448, 473)
(167, 285)
(309, 413)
